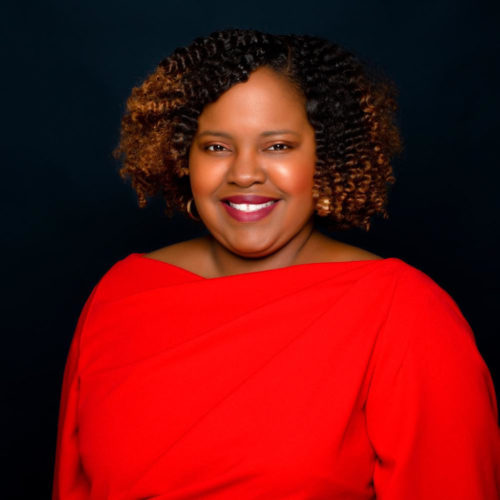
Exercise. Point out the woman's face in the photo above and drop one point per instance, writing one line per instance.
(251, 166)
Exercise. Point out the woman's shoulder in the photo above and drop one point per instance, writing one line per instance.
(185, 254)
(137, 272)
(411, 284)
(322, 248)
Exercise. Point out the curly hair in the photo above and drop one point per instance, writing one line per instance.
(351, 111)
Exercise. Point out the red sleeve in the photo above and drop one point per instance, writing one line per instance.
(70, 481)
(431, 410)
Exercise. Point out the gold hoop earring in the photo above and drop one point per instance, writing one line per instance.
(189, 210)
(323, 206)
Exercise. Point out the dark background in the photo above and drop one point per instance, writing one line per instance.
(68, 68)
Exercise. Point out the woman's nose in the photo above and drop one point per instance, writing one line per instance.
(246, 168)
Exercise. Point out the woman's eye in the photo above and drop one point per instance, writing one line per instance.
(215, 147)
(279, 147)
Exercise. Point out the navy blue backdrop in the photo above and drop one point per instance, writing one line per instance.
(68, 68)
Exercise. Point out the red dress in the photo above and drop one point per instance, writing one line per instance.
(349, 380)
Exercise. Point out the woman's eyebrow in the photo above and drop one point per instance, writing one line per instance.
(279, 132)
(267, 133)
(217, 134)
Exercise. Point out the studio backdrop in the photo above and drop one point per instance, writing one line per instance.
(69, 67)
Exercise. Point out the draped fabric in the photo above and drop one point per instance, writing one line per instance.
(347, 380)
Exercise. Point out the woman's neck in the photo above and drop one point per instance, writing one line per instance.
(298, 250)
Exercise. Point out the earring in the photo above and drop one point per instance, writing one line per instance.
(189, 206)
(323, 206)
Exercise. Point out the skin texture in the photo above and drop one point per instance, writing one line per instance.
(235, 153)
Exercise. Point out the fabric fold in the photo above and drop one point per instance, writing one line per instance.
(261, 385)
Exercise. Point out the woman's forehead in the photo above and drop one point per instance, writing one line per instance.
(266, 98)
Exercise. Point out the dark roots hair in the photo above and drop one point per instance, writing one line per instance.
(351, 111)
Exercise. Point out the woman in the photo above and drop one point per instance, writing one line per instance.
(266, 360)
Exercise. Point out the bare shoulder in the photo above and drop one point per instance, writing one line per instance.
(330, 250)
(347, 252)
(186, 254)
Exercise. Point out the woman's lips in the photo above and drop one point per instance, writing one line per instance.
(246, 211)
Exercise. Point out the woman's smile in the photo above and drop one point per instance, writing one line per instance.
(249, 208)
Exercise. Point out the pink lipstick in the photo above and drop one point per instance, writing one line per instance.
(249, 208)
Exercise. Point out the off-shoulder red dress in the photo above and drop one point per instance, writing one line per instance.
(350, 380)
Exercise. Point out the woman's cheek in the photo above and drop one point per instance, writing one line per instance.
(206, 175)
(296, 177)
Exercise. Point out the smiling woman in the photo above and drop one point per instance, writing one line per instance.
(267, 360)
(292, 118)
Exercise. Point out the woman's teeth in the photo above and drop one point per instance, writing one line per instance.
(250, 207)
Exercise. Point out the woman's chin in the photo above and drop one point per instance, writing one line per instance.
(251, 248)
(252, 252)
